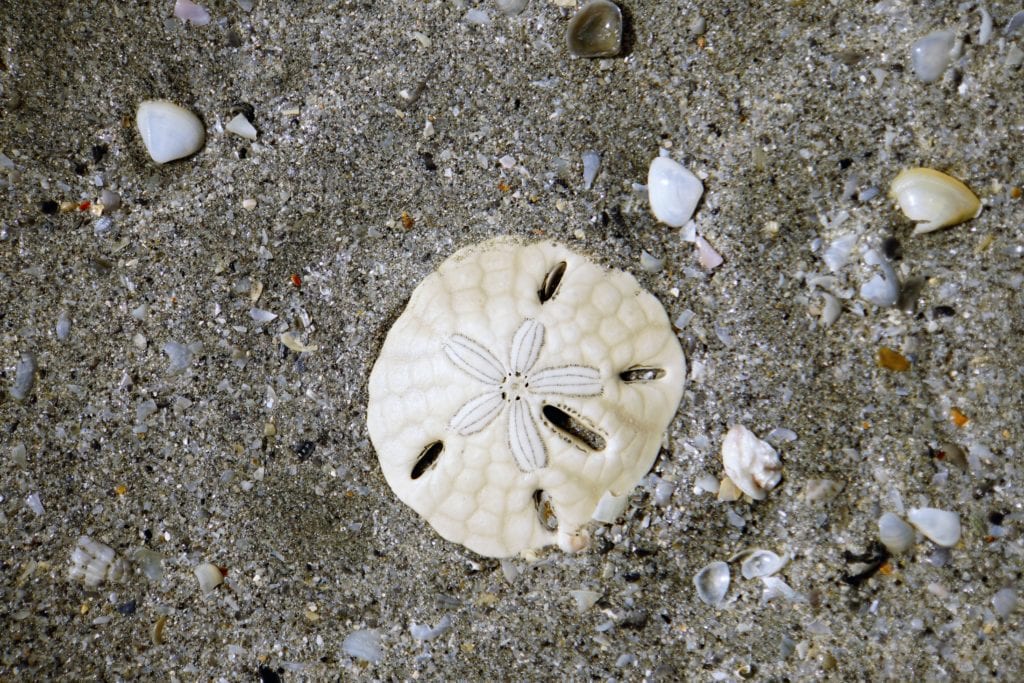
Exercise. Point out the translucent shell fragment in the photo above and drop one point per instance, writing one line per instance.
(522, 384)
(932, 199)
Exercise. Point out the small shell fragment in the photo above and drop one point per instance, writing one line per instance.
(761, 563)
(585, 599)
(673, 191)
(712, 583)
(751, 464)
(241, 127)
(168, 131)
(209, 576)
(942, 527)
(363, 644)
(933, 199)
(895, 534)
(930, 55)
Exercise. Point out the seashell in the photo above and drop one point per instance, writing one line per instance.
(883, 289)
(934, 199)
(186, 10)
(595, 30)
(209, 575)
(895, 534)
(673, 191)
(930, 55)
(761, 563)
(168, 131)
(363, 644)
(942, 527)
(96, 562)
(241, 127)
(610, 508)
(712, 583)
(751, 464)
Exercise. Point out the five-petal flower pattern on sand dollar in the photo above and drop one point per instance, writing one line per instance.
(516, 388)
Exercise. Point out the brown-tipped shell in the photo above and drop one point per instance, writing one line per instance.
(932, 199)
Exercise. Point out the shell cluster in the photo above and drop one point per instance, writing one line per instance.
(941, 527)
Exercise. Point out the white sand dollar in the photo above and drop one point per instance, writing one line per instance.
(522, 384)
(168, 131)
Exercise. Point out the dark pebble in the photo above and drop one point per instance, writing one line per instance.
(304, 449)
(268, 675)
(127, 608)
(943, 312)
(49, 207)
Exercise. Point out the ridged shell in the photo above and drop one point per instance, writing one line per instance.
(895, 534)
(932, 199)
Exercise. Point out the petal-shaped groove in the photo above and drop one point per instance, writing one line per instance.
(427, 458)
(473, 359)
(549, 287)
(524, 439)
(526, 345)
(567, 380)
(477, 413)
(573, 428)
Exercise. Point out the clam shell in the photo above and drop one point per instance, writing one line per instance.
(673, 191)
(895, 534)
(933, 199)
(942, 527)
(712, 583)
(761, 563)
(595, 30)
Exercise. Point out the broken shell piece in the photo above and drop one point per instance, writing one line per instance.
(168, 131)
(521, 385)
(939, 526)
(209, 576)
(712, 583)
(241, 127)
(750, 463)
(895, 534)
(930, 55)
(96, 562)
(933, 199)
(673, 191)
(708, 258)
(610, 507)
(728, 491)
(584, 599)
(761, 563)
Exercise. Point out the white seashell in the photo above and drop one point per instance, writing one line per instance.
(712, 583)
(363, 644)
(940, 526)
(423, 632)
(241, 127)
(591, 165)
(707, 257)
(934, 199)
(774, 587)
(584, 599)
(168, 131)
(751, 464)
(930, 55)
(884, 288)
(209, 576)
(610, 507)
(96, 562)
(761, 563)
(895, 534)
(673, 191)
(190, 11)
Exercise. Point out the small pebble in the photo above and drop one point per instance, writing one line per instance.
(892, 360)
(24, 377)
(189, 11)
(930, 55)
(510, 8)
(673, 191)
(168, 131)
(363, 644)
(595, 30)
(1004, 602)
(209, 575)
(591, 165)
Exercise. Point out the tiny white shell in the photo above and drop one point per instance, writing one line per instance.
(751, 464)
(933, 199)
(940, 526)
(241, 127)
(761, 563)
(673, 191)
(930, 55)
(895, 534)
(712, 583)
(168, 131)
(209, 576)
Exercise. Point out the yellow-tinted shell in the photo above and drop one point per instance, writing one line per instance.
(933, 199)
